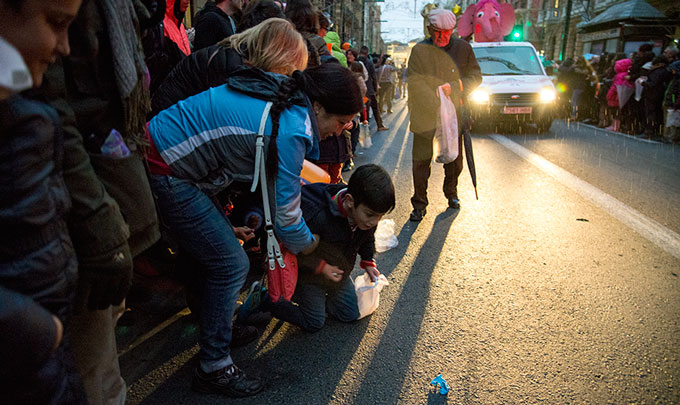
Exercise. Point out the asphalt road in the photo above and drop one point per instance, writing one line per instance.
(559, 285)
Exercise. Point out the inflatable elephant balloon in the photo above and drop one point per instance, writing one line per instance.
(488, 20)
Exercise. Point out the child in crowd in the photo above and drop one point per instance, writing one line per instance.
(345, 217)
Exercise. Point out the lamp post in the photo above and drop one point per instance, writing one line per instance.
(565, 35)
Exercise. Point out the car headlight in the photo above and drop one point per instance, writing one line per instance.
(479, 96)
(547, 95)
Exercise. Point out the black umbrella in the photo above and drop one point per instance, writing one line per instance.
(469, 156)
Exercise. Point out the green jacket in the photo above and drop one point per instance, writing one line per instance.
(332, 37)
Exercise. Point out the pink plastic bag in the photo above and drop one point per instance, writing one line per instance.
(446, 134)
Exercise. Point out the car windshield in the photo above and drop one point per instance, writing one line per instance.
(507, 60)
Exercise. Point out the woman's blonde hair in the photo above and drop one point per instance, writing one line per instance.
(273, 45)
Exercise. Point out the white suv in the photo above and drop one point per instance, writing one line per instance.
(515, 87)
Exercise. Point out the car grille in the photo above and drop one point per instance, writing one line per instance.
(514, 98)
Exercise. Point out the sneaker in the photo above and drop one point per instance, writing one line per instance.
(251, 303)
(241, 335)
(383, 128)
(230, 381)
(454, 203)
(417, 214)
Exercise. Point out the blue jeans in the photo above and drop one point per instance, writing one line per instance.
(313, 301)
(206, 234)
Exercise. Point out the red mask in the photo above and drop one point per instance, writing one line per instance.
(441, 38)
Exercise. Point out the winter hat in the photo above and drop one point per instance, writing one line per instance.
(442, 20)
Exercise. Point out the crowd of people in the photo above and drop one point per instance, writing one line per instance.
(625, 93)
(123, 135)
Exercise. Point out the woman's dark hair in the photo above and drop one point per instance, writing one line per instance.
(354, 52)
(257, 11)
(15, 5)
(357, 67)
(658, 60)
(323, 21)
(333, 86)
(303, 15)
(372, 186)
(645, 48)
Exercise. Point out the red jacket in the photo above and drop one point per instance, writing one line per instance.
(174, 29)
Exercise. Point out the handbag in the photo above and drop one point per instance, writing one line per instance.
(282, 280)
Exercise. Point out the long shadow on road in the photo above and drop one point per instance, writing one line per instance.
(391, 360)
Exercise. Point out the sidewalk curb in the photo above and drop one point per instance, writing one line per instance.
(607, 131)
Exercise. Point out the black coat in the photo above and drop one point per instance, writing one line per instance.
(212, 26)
(430, 67)
(371, 83)
(656, 85)
(209, 67)
(38, 269)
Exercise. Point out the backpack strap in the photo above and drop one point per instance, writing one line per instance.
(274, 255)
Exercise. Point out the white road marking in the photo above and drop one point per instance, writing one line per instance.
(653, 231)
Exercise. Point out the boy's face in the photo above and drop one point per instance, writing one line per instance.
(361, 216)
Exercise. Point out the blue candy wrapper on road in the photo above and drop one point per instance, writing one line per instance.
(441, 382)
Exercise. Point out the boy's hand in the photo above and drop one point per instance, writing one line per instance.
(244, 233)
(332, 273)
(373, 273)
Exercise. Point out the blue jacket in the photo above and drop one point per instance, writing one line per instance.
(209, 139)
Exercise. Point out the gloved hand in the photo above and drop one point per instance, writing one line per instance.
(105, 279)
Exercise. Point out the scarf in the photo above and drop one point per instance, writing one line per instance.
(128, 65)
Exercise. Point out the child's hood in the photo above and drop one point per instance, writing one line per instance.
(623, 65)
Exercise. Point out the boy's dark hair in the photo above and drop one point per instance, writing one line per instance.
(372, 186)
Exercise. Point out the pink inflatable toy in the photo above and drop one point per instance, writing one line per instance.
(488, 20)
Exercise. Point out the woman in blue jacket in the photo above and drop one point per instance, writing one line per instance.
(206, 143)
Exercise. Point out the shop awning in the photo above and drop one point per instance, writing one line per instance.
(637, 11)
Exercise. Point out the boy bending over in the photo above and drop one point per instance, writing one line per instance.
(345, 218)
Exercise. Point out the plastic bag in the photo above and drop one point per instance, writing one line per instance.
(384, 236)
(368, 293)
(672, 118)
(624, 93)
(365, 136)
(639, 87)
(446, 134)
(114, 146)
